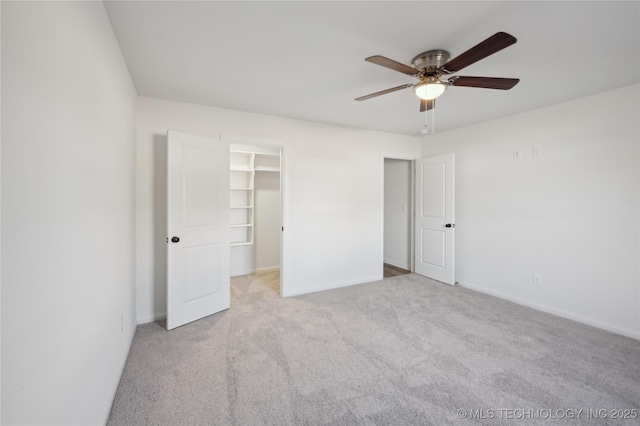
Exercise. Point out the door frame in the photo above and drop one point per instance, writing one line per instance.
(411, 207)
(269, 143)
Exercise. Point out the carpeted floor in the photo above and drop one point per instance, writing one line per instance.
(402, 351)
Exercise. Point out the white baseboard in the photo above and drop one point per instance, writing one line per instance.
(131, 331)
(397, 264)
(242, 273)
(333, 286)
(554, 311)
(268, 269)
(152, 318)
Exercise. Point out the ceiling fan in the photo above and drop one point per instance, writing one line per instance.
(431, 65)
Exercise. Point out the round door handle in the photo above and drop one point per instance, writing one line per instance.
(448, 225)
(175, 239)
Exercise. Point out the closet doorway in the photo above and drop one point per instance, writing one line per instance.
(256, 213)
(397, 224)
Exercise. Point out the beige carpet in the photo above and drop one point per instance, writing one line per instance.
(402, 351)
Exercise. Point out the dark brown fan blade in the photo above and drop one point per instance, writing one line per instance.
(493, 44)
(391, 64)
(427, 105)
(383, 92)
(484, 82)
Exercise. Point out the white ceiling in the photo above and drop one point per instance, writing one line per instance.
(306, 59)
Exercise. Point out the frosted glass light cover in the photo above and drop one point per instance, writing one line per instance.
(428, 91)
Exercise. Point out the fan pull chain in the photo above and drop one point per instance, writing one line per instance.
(429, 123)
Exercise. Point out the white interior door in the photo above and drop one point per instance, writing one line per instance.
(198, 228)
(434, 224)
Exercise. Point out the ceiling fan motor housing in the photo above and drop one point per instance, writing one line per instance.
(430, 60)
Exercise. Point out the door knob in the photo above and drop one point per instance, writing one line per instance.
(449, 225)
(175, 239)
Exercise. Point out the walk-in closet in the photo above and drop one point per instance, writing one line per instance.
(255, 216)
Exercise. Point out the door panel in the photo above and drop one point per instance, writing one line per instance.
(198, 215)
(433, 183)
(203, 262)
(433, 248)
(434, 254)
(200, 180)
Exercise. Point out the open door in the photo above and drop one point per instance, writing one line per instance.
(198, 228)
(434, 222)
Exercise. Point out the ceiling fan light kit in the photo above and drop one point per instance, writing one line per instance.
(431, 65)
(429, 88)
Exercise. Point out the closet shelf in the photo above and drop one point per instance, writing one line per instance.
(242, 167)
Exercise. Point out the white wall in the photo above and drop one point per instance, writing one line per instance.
(68, 115)
(397, 212)
(332, 193)
(571, 215)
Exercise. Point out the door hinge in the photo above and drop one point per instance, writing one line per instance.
(283, 228)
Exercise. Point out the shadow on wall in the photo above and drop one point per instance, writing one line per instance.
(160, 223)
